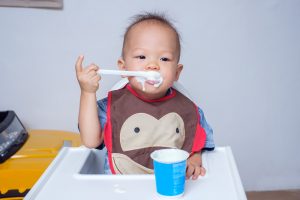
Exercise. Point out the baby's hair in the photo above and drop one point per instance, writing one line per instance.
(151, 16)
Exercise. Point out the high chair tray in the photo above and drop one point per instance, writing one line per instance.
(77, 173)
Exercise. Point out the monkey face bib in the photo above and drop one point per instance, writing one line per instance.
(136, 127)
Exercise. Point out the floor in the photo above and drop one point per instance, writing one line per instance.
(274, 195)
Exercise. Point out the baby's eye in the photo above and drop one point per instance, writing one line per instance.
(141, 57)
(164, 59)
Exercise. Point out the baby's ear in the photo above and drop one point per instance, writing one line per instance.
(121, 64)
(178, 71)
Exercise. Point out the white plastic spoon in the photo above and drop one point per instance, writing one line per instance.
(149, 75)
(141, 76)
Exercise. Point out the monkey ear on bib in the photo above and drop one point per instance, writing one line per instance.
(177, 85)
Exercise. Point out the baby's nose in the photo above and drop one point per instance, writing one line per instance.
(152, 67)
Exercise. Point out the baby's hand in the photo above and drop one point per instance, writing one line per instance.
(194, 166)
(88, 77)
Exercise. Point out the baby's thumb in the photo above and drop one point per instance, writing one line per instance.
(78, 65)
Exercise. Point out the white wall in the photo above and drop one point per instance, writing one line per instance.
(242, 66)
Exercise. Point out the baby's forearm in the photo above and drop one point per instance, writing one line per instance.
(90, 129)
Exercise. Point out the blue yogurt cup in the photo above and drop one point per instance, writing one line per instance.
(169, 170)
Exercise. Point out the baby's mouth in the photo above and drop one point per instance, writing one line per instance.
(152, 82)
(154, 79)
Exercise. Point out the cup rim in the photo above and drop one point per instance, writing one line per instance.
(184, 155)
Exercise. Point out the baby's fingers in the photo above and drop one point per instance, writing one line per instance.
(197, 172)
(203, 171)
(95, 77)
(91, 67)
(78, 65)
(189, 171)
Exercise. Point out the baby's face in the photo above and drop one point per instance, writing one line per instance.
(152, 46)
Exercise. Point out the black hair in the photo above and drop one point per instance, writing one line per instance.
(152, 16)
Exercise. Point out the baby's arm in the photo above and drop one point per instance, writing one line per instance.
(194, 166)
(90, 129)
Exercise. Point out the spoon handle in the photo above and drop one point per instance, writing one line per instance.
(123, 72)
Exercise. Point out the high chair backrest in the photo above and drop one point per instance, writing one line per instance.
(178, 86)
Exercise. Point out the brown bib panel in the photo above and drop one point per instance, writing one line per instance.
(137, 127)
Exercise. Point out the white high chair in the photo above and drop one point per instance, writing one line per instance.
(77, 173)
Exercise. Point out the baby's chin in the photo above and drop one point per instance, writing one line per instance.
(149, 91)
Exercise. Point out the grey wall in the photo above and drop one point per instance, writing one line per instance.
(242, 66)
